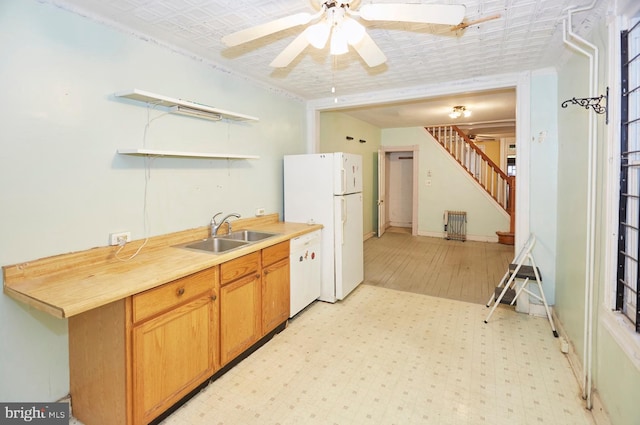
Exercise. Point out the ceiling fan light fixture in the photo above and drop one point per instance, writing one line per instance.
(338, 42)
(459, 111)
(353, 30)
(334, 21)
(318, 34)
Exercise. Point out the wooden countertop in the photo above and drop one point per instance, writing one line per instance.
(70, 284)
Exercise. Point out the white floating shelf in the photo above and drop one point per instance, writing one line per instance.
(178, 154)
(184, 107)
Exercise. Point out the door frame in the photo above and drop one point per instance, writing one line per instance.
(383, 153)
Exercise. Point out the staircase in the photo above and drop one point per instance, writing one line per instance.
(490, 177)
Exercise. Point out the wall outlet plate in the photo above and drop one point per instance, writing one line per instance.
(259, 212)
(119, 238)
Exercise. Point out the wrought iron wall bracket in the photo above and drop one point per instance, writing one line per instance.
(595, 103)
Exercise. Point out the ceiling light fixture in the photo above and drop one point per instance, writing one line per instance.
(338, 29)
(338, 44)
(318, 34)
(459, 111)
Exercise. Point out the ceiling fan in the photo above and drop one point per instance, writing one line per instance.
(337, 22)
(464, 25)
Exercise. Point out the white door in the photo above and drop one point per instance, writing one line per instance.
(382, 217)
(349, 248)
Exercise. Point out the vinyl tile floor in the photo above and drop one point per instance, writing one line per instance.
(383, 356)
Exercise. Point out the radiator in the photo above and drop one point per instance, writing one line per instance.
(455, 224)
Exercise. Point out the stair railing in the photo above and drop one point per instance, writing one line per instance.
(489, 175)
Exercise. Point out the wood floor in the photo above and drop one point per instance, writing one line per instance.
(465, 271)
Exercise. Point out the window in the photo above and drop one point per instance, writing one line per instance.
(511, 165)
(628, 273)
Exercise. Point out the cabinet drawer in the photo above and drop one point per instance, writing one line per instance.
(154, 301)
(242, 266)
(275, 253)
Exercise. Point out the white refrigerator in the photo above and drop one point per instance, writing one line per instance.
(326, 189)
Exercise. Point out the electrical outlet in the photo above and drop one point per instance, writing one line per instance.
(259, 212)
(119, 238)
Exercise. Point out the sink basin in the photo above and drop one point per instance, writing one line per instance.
(216, 245)
(247, 235)
(225, 243)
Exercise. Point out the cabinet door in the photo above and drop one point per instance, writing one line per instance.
(173, 354)
(275, 295)
(239, 316)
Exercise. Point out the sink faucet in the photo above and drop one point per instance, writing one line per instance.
(215, 225)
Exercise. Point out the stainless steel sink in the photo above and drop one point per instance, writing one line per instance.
(225, 243)
(247, 235)
(216, 245)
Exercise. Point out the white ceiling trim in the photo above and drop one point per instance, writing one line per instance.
(417, 92)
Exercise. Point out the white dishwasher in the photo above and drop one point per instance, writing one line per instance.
(305, 269)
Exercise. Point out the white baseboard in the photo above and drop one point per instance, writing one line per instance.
(475, 238)
(598, 411)
(539, 310)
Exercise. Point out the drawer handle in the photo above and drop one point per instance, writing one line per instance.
(180, 291)
(214, 297)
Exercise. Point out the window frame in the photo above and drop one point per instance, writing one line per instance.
(618, 327)
(627, 294)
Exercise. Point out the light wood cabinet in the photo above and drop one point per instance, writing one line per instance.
(239, 305)
(124, 344)
(132, 359)
(175, 351)
(275, 286)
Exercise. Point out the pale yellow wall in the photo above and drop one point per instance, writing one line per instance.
(334, 129)
(492, 150)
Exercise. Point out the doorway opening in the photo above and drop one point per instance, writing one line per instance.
(398, 188)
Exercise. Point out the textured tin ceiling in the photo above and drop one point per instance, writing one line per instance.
(526, 36)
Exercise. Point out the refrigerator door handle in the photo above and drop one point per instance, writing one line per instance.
(343, 188)
(344, 217)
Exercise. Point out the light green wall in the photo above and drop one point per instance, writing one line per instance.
(543, 177)
(450, 188)
(334, 128)
(572, 200)
(65, 189)
(617, 380)
(615, 377)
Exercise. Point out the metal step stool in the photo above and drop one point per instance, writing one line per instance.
(528, 273)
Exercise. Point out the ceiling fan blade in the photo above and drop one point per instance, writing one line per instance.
(464, 25)
(421, 13)
(249, 34)
(369, 51)
(292, 50)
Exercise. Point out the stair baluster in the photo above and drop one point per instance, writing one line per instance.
(489, 175)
